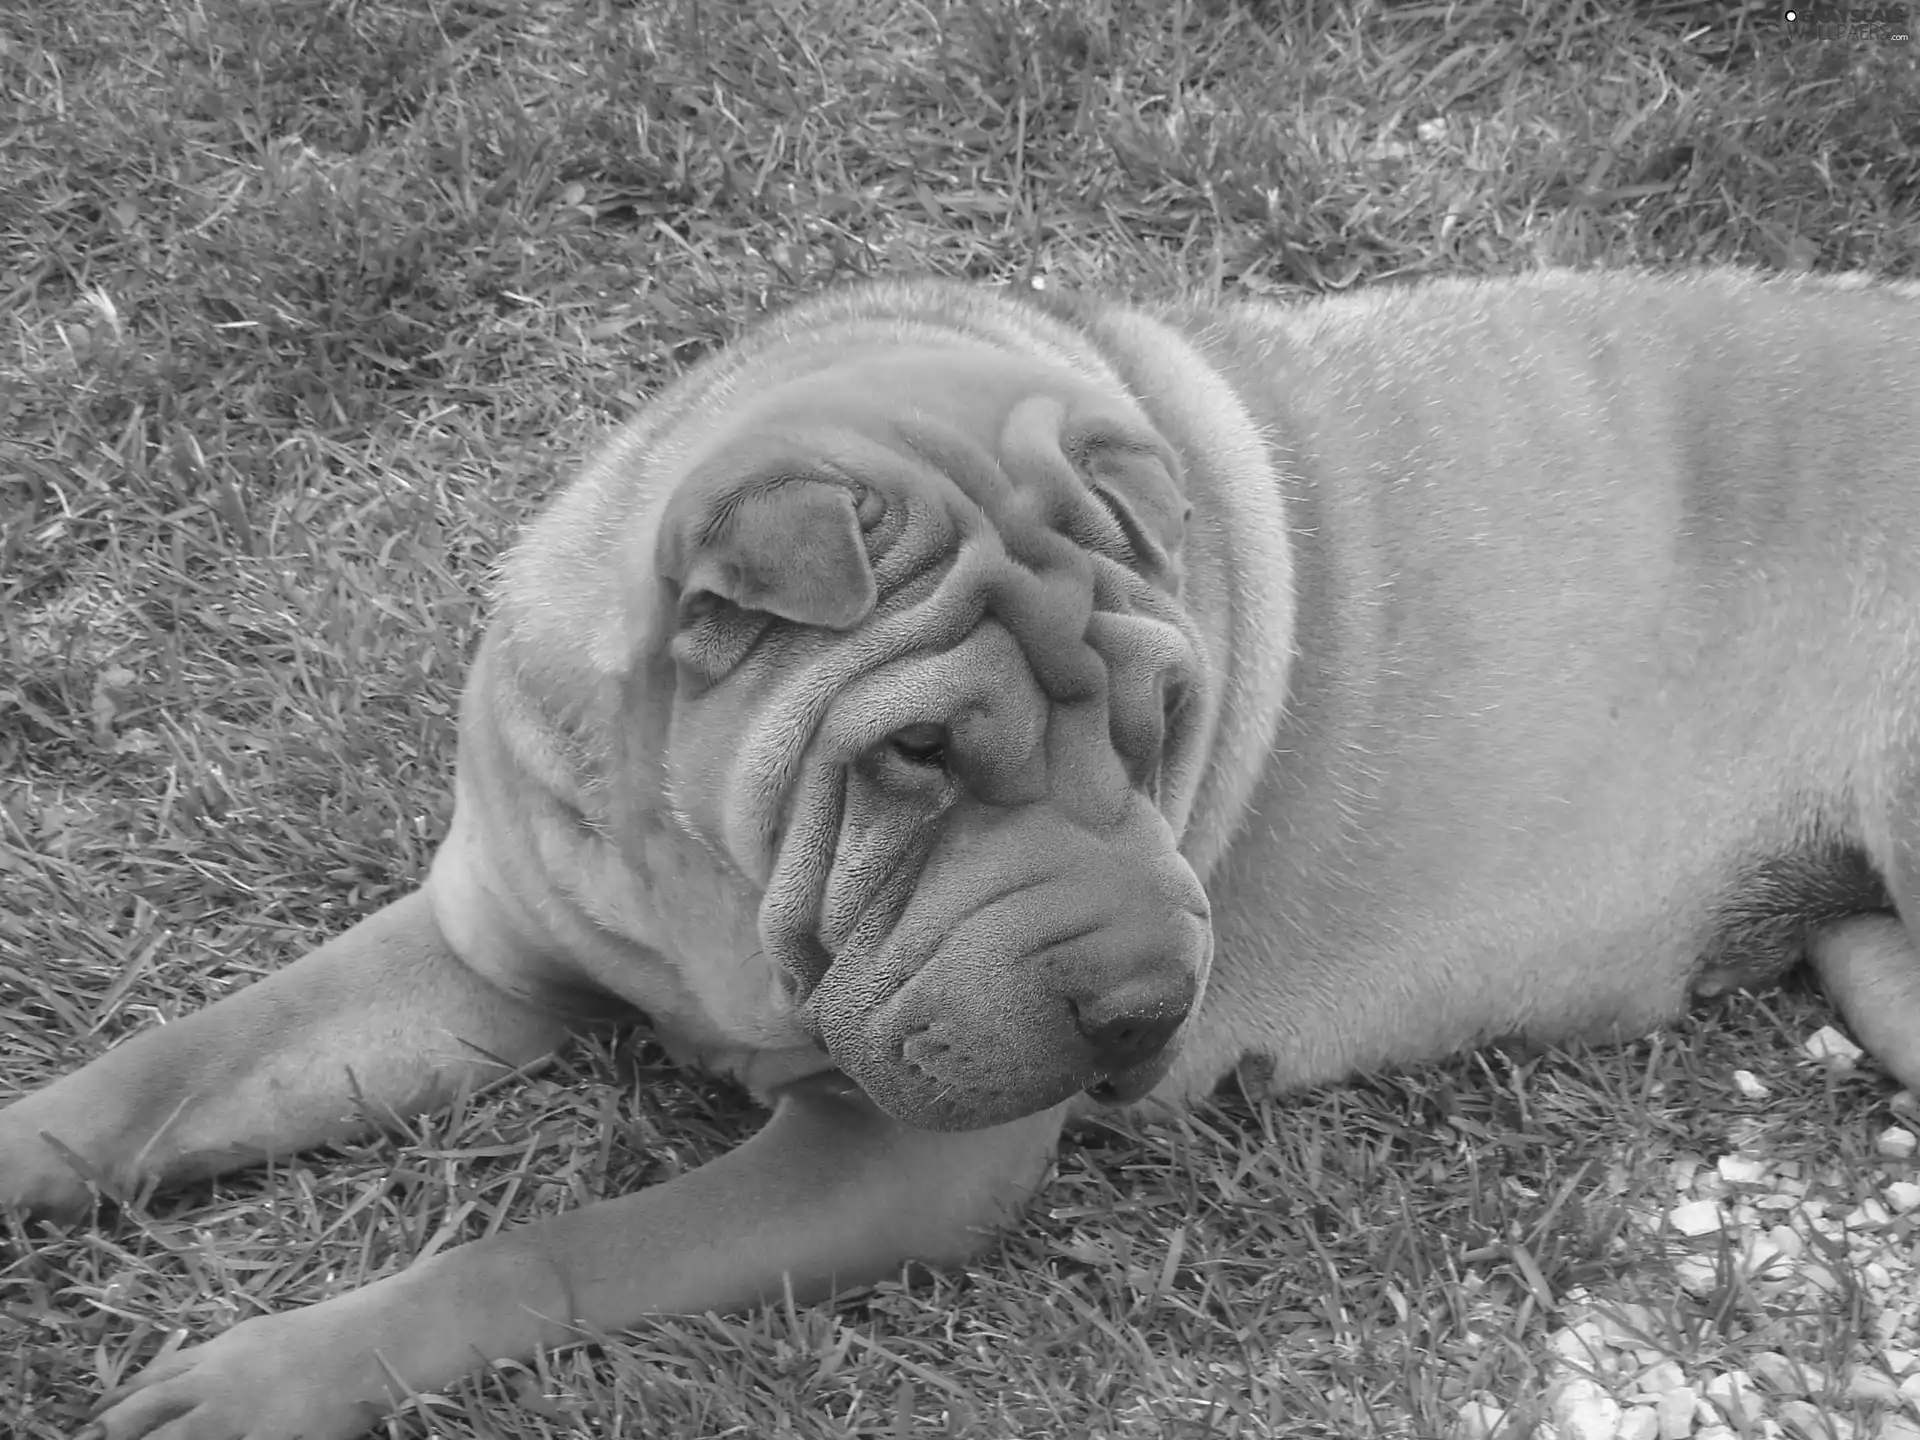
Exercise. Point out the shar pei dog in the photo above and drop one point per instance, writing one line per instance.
(946, 710)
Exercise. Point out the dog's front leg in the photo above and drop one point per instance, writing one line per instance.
(830, 1193)
(384, 1016)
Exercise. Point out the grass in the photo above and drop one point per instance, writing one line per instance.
(308, 302)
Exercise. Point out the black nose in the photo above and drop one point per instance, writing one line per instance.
(1133, 1024)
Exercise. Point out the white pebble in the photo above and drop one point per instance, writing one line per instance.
(1661, 1377)
(1869, 1383)
(1478, 1420)
(1675, 1409)
(1787, 1241)
(1784, 1376)
(1750, 1085)
(1697, 1217)
(1899, 1361)
(1830, 1045)
(1625, 1325)
(1581, 1410)
(1581, 1345)
(1897, 1427)
(1642, 1422)
(1811, 1422)
(1697, 1274)
(1733, 1393)
(1739, 1170)
(1760, 1259)
(1714, 1432)
(1897, 1142)
(1816, 1276)
(1902, 1195)
(1867, 1215)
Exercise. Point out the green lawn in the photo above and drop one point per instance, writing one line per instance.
(306, 303)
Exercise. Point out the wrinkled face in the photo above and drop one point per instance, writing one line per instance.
(936, 695)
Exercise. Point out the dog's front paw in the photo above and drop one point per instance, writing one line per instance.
(278, 1377)
(36, 1174)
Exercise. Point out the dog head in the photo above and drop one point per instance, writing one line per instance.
(935, 696)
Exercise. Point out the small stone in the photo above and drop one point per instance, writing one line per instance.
(1902, 1195)
(1899, 1360)
(1739, 1170)
(1760, 1260)
(1675, 1409)
(1642, 1422)
(1715, 1431)
(1697, 1217)
(1581, 1345)
(1867, 1215)
(1910, 1387)
(1625, 1325)
(1830, 1045)
(1810, 1422)
(1478, 1420)
(1783, 1376)
(1697, 1274)
(1897, 1142)
(1707, 1185)
(1680, 1172)
(1868, 1382)
(1751, 1085)
(1787, 1240)
(1732, 1392)
(1817, 1276)
(1581, 1410)
(1661, 1377)
(1897, 1427)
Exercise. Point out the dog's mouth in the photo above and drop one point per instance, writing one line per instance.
(1127, 1086)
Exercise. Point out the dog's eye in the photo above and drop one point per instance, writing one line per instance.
(920, 744)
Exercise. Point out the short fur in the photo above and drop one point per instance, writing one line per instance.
(946, 709)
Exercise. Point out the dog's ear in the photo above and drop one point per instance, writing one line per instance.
(1136, 478)
(790, 548)
(749, 539)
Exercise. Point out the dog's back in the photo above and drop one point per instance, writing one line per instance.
(1608, 655)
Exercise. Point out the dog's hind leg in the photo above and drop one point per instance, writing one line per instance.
(1870, 964)
(1871, 971)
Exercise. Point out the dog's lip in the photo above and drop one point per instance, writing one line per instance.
(1129, 1085)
